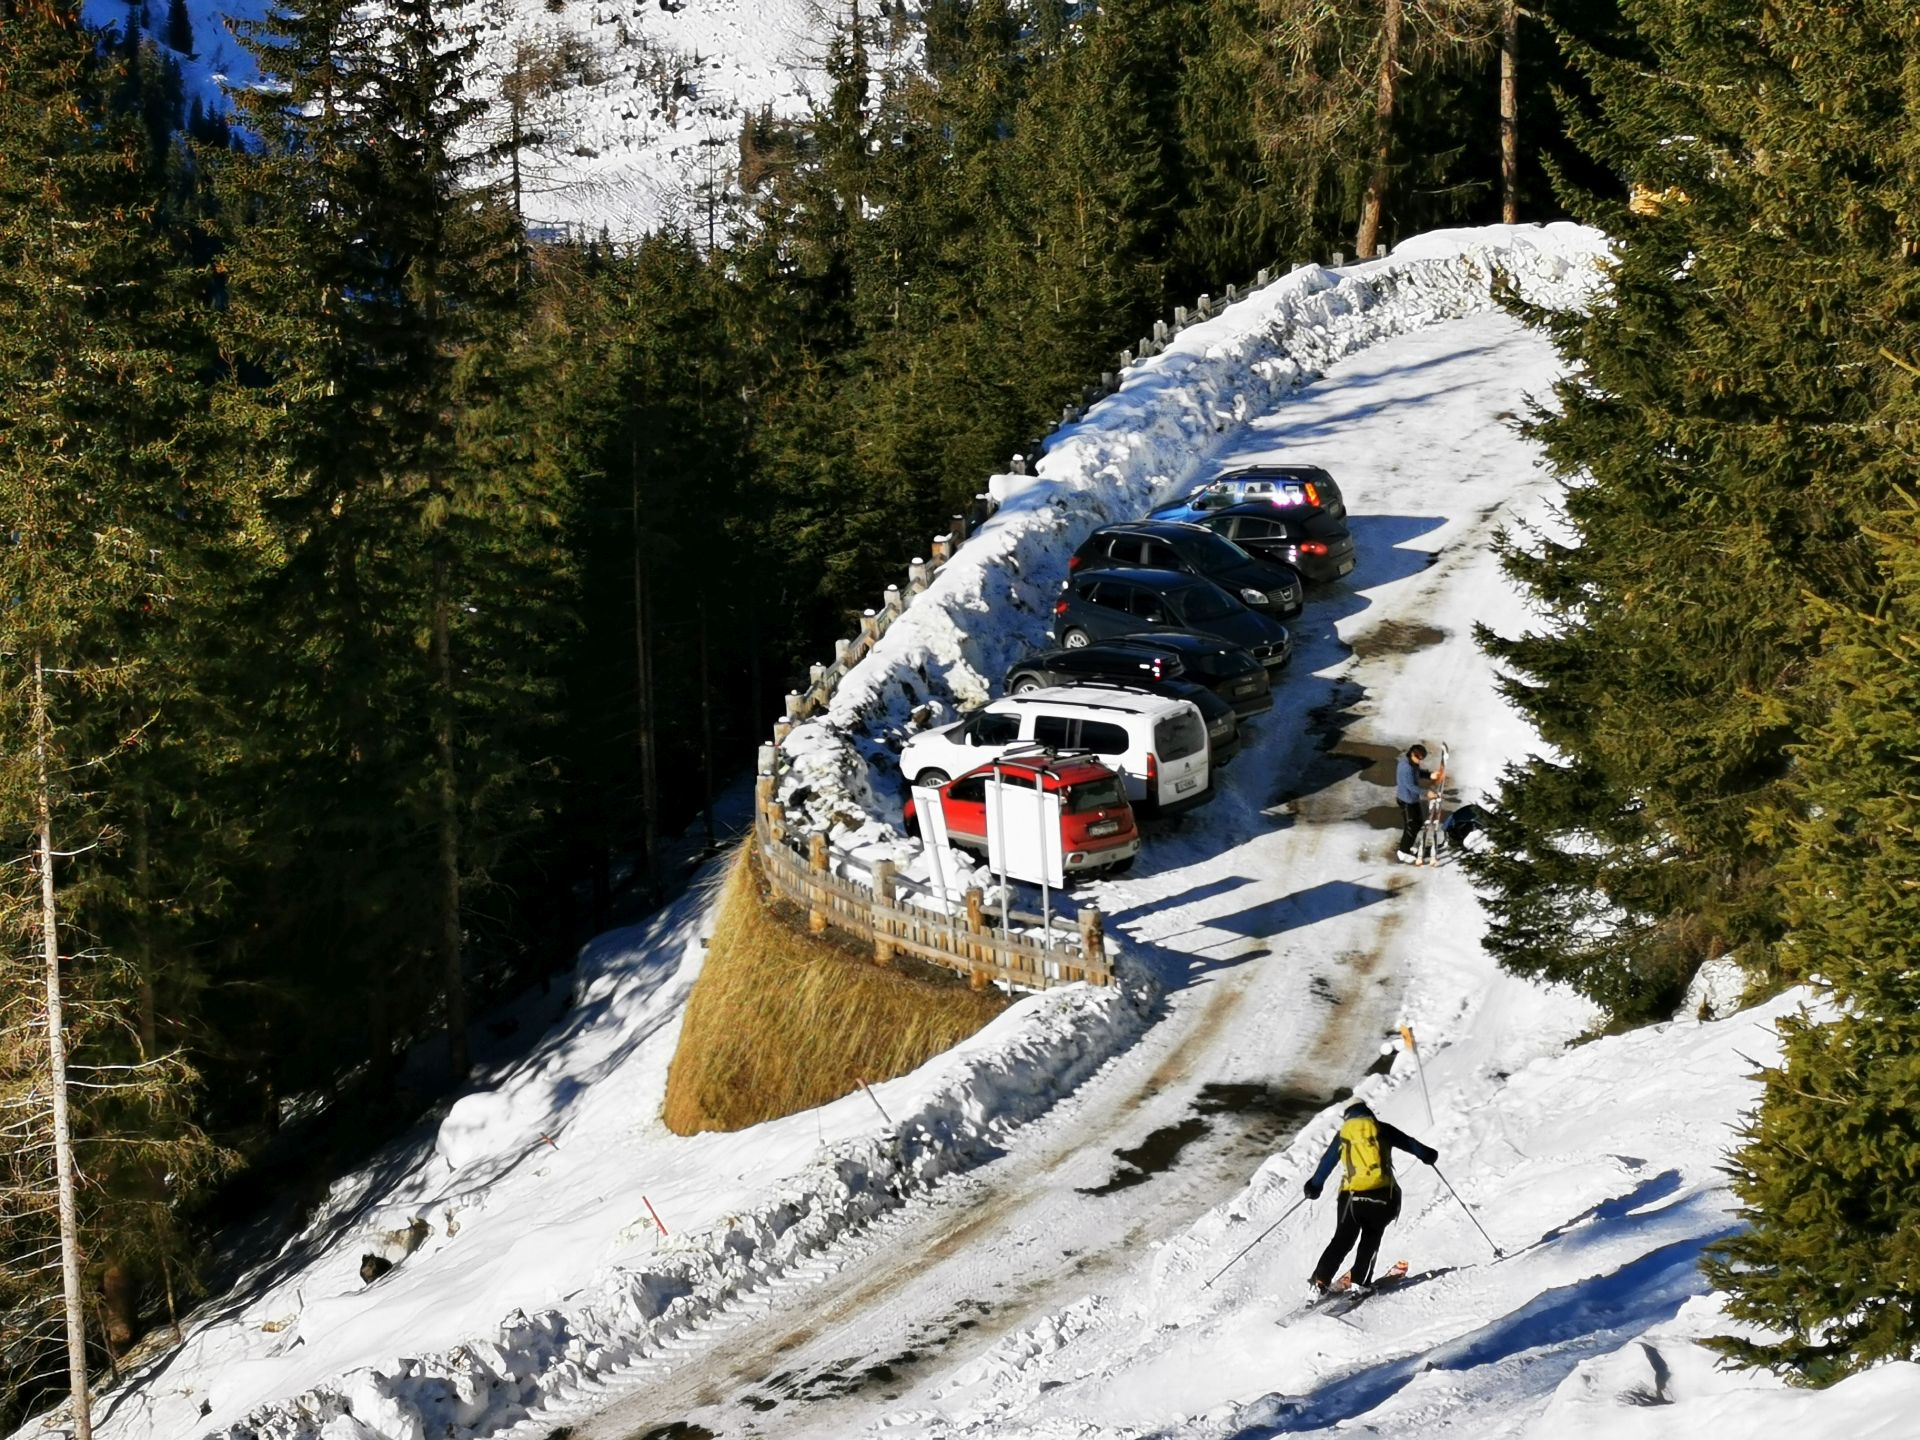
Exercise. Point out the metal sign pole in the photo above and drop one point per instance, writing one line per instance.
(1000, 823)
(1046, 868)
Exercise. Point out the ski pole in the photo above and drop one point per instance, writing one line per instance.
(1406, 1034)
(1253, 1242)
(1498, 1253)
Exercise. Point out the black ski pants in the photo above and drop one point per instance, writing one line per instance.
(1364, 1216)
(1413, 817)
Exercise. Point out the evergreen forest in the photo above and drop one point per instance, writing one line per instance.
(384, 585)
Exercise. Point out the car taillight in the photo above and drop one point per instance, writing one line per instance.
(1156, 670)
(1060, 607)
(1153, 772)
(1073, 563)
(1313, 493)
(1313, 547)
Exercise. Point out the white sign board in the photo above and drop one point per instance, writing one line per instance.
(1023, 833)
(932, 816)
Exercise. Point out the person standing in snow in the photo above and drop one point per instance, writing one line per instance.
(1413, 787)
(1369, 1196)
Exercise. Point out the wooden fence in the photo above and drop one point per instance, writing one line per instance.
(970, 940)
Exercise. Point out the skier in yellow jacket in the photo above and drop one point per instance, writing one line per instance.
(1369, 1197)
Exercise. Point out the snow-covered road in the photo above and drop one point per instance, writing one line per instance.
(1291, 944)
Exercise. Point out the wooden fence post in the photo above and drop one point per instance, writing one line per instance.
(883, 872)
(817, 899)
(1093, 941)
(942, 549)
(976, 952)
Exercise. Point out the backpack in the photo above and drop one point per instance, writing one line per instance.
(1363, 1154)
(1460, 824)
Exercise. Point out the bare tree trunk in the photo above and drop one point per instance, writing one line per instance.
(451, 960)
(57, 1063)
(1510, 114)
(643, 684)
(1374, 202)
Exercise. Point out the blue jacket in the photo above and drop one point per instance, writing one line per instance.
(1391, 1138)
(1410, 782)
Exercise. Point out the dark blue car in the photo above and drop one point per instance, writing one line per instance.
(1107, 604)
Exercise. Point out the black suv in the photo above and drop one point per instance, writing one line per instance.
(1222, 672)
(1192, 550)
(1107, 604)
(1311, 541)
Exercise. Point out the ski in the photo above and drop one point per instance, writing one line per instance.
(1353, 1295)
(1343, 1295)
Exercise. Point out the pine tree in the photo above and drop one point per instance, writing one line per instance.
(98, 326)
(369, 276)
(1709, 495)
(179, 28)
(1829, 1173)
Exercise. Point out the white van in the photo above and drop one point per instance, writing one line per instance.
(1157, 744)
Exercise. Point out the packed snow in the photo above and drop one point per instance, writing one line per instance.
(1021, 1237)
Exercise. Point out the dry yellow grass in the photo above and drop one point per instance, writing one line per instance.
(780, 1020)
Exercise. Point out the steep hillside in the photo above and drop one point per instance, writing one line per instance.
(639, 103)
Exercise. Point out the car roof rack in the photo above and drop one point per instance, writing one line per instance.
(1046, 757)
(1028, 699)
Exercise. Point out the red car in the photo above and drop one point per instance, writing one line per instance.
(1097, 831)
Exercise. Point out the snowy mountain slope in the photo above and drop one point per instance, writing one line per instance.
(812, 1283)
(646, 132)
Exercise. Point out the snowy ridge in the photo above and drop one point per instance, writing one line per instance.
(989, 604)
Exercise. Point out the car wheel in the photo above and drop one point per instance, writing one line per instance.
(913, 827)
(1075, 639)
(931, 779)
(1026, 685)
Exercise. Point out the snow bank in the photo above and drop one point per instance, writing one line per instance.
(978, 1092)
(990, 604)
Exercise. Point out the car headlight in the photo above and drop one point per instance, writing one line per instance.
(1250, 596)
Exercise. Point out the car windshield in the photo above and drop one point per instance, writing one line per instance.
(1089, 795)
(1213, 552)
(1207, 602)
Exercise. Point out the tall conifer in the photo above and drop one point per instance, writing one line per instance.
(99, 504)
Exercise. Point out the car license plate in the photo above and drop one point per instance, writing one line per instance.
(1187, 784)
(1345, 566)
(1105, 827)
(1246, 687)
